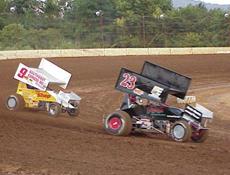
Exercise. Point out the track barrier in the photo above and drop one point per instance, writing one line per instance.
(14, 54)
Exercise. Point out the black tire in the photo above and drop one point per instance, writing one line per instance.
(54, 109)
(15, 102)
(118, 123)
(200, 135)
(73, 112)
(181, 131)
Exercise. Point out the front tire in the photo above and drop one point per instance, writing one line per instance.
(118, 123)
(54, 109)
(15, 102)
(200, 135)
(73, 112)
(181, 131)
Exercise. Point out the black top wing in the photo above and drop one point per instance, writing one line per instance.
(176, 84)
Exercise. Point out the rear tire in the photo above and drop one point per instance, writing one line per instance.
(15, 102)
(118, 123)
(181, 131)
(54, 109)
(200, 135)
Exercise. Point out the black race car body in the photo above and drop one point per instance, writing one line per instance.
(144, 105)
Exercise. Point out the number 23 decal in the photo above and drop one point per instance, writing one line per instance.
(129, 82)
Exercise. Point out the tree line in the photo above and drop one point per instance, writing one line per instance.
(63, 24)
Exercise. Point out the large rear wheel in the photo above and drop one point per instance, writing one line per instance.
(15, 102)
(181, 131)
(118, 123)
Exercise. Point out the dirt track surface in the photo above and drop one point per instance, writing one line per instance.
(33, 143)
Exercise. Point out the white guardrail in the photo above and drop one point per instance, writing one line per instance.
(111, 52)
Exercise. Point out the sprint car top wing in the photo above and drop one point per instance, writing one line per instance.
(54, 73)
(40, 77)
(176, 84)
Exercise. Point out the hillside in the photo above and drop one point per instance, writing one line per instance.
(184, 3)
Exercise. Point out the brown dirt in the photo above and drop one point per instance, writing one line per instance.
(33, 143)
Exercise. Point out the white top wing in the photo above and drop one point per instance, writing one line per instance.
(54, 73)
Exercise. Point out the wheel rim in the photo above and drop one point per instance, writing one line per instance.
(52, 110)
(115, 123)
(11, 102)
(179, 131)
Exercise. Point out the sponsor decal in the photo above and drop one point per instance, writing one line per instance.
(138, 91)
(31, 77)
(43, 95)
(157, 90)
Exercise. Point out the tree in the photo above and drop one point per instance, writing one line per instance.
(12, 37)
(52, 9)
(3, 13)
(3, 6)
(121, 23)
(131, 8)
(89, 26)
(25, 6)
(140, 17)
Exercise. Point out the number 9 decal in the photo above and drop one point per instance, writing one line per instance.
(129, 82)
(22, 72)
